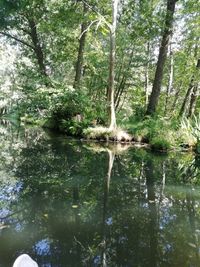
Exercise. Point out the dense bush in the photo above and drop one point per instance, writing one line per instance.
(161, 143)
(61, 108)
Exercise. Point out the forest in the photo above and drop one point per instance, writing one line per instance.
(124, 71)
(100, 132)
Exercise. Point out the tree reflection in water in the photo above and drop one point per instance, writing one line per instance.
(67, 203)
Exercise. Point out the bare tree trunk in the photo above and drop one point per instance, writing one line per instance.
(153, 101)
(179, 87)
(194, 95)
(176, 97)
(122, 84)
(170, 81)
(192, 104)
(189, 92)
(146, 85)
(186, 98)
(37, 47)
(79, 62)
(111, 87)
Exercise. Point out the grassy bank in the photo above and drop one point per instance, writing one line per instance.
(159, 134)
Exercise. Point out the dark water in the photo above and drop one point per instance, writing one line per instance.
(68, 203)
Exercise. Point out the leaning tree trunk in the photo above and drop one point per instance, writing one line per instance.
(37, 47)
(194, 95)
(186, 98)
(79, 62)
(192, 104)
(121, 87)
(189, 92)
(153, 101)
(111, 100)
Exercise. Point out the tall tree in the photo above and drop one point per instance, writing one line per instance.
(191, 93)
(156, 89)
(146, 85)
(111, 84)
(37, 46)
(20, 23)
(79, 62)
(170, 80)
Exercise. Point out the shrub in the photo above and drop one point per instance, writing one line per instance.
(160, 143)
(150, 128)
(73, 127)
(188, 134)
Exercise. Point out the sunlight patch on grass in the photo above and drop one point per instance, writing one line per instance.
(105, 134)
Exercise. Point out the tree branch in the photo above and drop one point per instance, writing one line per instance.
(17, 39)
(99, 14)
(89, 26)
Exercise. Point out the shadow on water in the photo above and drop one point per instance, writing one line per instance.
(68, 203)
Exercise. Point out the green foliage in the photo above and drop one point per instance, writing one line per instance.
(52, 99)
(163, 134)
(67, 102)
(149, 127)
(190, 132)
(186, 133)
(158, 132)
(71, 111)
(73, 127)
(162, 143)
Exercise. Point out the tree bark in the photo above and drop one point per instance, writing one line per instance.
(37, 47)
(111, 86)
(79, 62)
(193, 99)
(178, 91)
(189, 93)
(194, 96)
(170, 80)
(179, 87)
(122, 83)
(186, 98)
(153, 101)
(146, 85)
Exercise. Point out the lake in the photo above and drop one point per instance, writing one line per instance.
(74, 203)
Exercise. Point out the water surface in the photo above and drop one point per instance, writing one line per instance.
(70, 203)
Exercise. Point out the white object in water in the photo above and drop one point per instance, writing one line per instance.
(24, 261)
